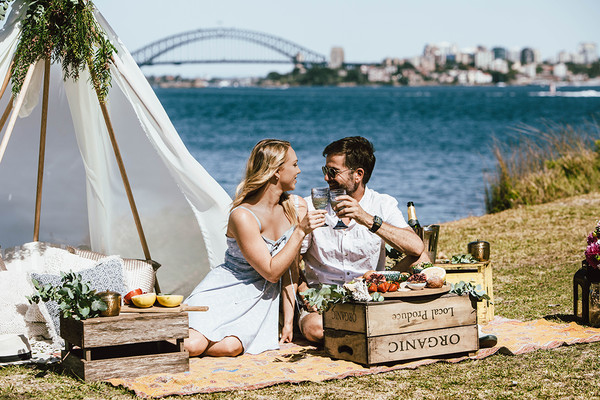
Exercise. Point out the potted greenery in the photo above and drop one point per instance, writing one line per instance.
(74, 297)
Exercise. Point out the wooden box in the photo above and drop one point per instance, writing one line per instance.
(476, 274)
(402, 329)
(127, 345)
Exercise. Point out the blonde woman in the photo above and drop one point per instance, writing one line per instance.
(264, 234)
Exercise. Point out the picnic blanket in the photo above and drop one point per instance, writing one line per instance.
(301, 362)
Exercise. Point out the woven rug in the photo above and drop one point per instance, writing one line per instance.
(295, 363)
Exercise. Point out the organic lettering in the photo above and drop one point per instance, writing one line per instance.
(422, 343)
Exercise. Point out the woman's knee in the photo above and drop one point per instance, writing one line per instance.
(231, 346)
(312, 327)
(195, 344)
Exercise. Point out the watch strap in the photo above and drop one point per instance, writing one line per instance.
(377, 221)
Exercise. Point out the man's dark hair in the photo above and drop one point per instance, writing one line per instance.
(359, 153)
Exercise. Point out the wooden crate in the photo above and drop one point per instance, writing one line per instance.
(403, 329)
(127, 345)
(476, 274)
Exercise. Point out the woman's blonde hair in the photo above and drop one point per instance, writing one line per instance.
(266, 158)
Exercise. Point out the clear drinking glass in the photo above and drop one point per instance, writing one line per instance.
(333, 194)
(320, 198)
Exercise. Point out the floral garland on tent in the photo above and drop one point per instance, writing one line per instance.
(64, 31)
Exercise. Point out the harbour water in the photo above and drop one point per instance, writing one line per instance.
(433, 144)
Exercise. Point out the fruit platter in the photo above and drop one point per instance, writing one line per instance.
(137, 301)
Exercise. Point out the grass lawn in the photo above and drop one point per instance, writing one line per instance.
(535, 251)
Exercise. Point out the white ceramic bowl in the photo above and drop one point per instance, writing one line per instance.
(416, 286)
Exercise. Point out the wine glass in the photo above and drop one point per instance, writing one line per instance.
(333, 195)
(320, 198)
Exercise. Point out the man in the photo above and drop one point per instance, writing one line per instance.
(336, 256)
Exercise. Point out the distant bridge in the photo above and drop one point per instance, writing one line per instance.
(265, 49)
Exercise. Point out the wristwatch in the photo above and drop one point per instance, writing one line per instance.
(377, 221)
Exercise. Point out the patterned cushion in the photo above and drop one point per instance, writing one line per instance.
(136, 273)
(106, 275)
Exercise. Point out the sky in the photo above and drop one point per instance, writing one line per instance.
(368, 30)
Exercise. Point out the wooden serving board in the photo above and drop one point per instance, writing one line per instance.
(160, 309)
(416, 293)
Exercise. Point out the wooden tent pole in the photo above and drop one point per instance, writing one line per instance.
(6, 80)
(15, 114)
(42, 153)
(7, 111)
(115, 145)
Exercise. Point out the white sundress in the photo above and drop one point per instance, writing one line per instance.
(241, 302)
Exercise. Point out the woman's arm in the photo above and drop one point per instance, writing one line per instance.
(245, 230)
(289, 286)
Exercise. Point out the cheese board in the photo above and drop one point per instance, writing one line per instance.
(160, 309)
(403, 293)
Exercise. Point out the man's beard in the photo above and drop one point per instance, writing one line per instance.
(350, 187)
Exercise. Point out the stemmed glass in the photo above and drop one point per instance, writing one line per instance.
(333, 195)
(320, 198)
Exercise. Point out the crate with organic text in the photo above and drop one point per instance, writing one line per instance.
(127, 345)
(401, 329)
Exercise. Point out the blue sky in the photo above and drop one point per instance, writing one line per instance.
(367, 30)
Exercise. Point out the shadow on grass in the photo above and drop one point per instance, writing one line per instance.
(563, 318)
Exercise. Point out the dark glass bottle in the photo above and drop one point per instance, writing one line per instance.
(413, 222)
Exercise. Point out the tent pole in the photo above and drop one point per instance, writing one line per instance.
(15, 114)
(7, 111)
(115, 145)
(42, 153)
(6, 79)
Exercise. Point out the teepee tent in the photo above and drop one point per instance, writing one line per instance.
(109, 173)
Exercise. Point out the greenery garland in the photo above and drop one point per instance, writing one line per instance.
(63, 31)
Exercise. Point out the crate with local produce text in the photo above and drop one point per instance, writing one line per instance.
(415, 321)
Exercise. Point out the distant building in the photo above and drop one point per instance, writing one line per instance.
(500, 53)
(527, 56)
(560, 70)
(563, 57)
(499, 65)
(483, 58)
(336, 58)
(589, 52)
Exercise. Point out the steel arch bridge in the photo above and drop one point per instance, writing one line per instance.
(291, 52)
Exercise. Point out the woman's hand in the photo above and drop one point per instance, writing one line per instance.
(312, 221)
(287, 334)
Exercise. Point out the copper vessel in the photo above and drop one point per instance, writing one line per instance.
(479, 249)
(113, 303)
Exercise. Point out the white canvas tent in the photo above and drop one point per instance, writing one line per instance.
(182, 209)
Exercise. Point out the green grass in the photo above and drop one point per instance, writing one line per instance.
(544, 165)
(535, 250)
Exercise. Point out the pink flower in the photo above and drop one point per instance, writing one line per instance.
(592, 237)
(592, 254)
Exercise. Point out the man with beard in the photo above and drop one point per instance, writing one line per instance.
(336, 256)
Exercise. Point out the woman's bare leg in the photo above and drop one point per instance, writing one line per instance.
(196, 343)
(229, 346)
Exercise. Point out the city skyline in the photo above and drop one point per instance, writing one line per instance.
(367, 31)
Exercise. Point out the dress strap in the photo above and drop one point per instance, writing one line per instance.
(251, 212)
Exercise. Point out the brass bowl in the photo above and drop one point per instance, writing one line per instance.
(113, 303)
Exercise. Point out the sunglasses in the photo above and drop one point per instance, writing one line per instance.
(332, 172)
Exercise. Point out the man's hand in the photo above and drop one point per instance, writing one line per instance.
(303, 286)
(349, 208)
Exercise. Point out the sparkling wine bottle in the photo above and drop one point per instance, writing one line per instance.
(413, 222)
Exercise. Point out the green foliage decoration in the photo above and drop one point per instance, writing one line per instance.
(75, 297)
(463, 259)
(476, 293)
(63, 31)
(323, 297)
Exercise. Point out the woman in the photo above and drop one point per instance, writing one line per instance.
(264, 235)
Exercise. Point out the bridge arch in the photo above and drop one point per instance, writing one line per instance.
(294, 53)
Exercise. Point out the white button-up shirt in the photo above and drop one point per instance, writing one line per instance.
(336, 256)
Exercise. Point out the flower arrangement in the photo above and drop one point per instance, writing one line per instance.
(592, 251)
